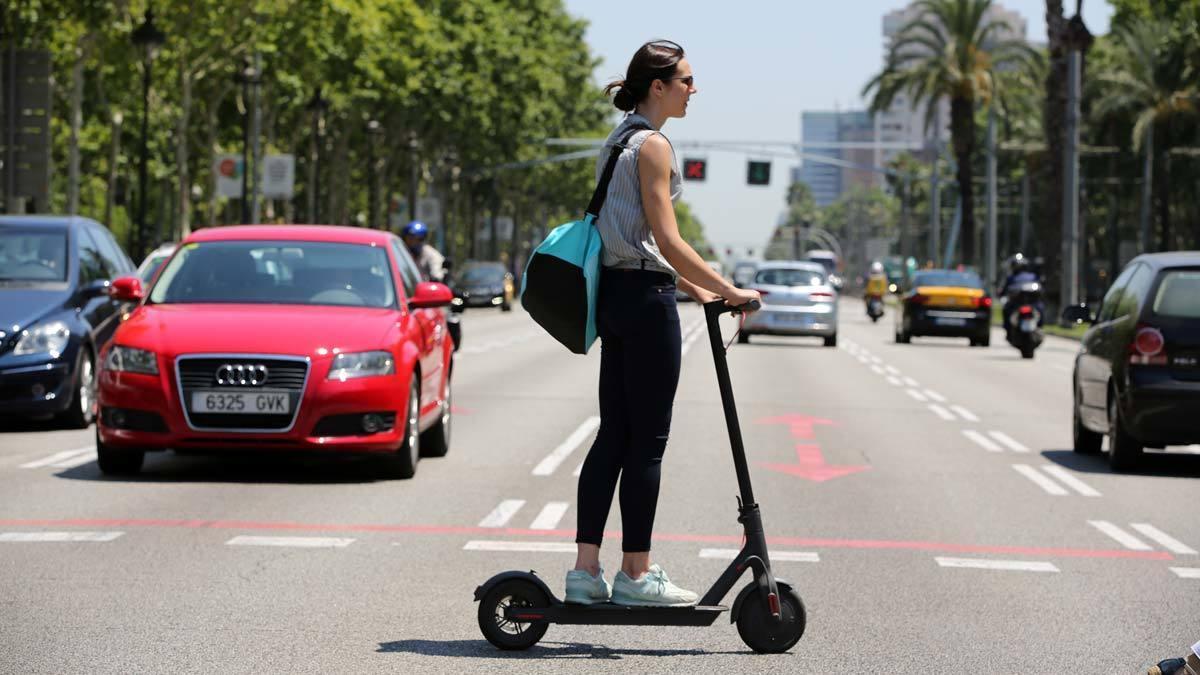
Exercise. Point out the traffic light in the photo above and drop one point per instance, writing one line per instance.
(758, 173)
(694, 169)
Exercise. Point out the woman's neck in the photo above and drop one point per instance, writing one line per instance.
(656, 116)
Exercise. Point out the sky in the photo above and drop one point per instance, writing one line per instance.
(758, 64)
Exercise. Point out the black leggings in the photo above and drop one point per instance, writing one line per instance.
(638, 325)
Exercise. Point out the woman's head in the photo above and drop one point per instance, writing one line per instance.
(658, 75)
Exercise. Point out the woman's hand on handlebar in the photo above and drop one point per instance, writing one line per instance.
(738, 297)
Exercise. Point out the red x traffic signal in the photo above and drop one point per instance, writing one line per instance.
(694, 169)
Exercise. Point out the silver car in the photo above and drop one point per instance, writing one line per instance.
(797, 299)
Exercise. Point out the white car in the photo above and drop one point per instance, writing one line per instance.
(797, 299)
(157, 257)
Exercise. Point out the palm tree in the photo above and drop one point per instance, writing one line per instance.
(1148, 84)
(950, 50)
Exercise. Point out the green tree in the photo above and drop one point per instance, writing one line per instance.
(691, 229)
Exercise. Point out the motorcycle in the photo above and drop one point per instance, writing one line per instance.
(874, 307)
(1023, 329)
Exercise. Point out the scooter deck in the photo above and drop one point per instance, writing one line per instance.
(608, 614)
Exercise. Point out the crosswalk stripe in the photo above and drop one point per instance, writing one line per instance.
(1071, 481)
(1010, 565)
(776, 556)
(1165, 540)
(556, 457)
(982, 441)
(1186, 572)
(550, 515)
(1041, 481)
(24, 537)
(1121, 536)
(502, 513)
(1008, 441)
(295, 542)
(522, 546)
(57, 457)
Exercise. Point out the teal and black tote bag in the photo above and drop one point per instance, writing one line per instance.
(562, 277)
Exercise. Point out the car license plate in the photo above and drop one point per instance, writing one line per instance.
(793, 318)
(949, 321)
(240, 403)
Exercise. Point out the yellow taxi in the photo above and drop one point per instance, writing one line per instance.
(945, 303)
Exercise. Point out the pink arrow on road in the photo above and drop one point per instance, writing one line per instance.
(810, 464)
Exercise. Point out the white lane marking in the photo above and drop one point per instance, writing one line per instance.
(875, 359)
(877, 370)
(21, 537)
(550, 515)
(964, 413)
(789, 556)
(556, 457)
(862, 359)
(694, 334)
(1071, 481)
(1041, 481)
(502, 513)
(522, 546)
(916, 395)
(1186, 572)
(982, 441)
(1165, 540)
(294, 542)
(894, 381)
(933, 395)
(1121, 536)
(941, 412)
(1008, 441)
(892, 369)
(911, 382)
(58, 457)
(85, 458)
(980, 563)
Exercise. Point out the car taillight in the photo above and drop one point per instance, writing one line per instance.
(918, 299)
(1025, 310)
(821, 296)
(1147, 347)
(983, 303)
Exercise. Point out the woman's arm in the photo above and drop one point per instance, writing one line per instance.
(654, 169)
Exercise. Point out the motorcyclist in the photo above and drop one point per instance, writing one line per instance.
(431, 263)
(1021, 271)
(877, 284)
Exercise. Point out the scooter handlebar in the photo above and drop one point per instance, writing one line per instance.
(718, 307)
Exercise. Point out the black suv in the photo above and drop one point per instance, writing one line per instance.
(1137, 374)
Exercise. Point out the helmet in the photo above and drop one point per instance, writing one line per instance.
(1020, 263)
(876, 267)
(415, 228)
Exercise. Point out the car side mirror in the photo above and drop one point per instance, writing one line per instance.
(127, 289)
(430, 294)
(94, 289)
(1077, 314)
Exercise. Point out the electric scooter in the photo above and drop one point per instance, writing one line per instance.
(516, 608)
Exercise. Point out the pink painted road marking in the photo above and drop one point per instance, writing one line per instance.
(811, 465)
(801, 425)
(874, 544)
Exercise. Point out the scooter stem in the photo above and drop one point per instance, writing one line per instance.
(712, 312)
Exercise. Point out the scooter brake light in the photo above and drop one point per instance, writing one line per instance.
(1025, 310)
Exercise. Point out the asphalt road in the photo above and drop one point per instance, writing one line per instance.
(922, 498)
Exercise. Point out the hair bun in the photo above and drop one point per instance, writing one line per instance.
(624, 99)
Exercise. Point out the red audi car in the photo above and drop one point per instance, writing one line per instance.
(279, 337)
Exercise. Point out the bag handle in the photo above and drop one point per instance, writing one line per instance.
(601, 192)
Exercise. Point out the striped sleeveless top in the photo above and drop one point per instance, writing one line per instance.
(624, 230)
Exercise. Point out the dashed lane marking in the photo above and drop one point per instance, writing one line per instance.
(1071, 481)
(911, 382)
(549, 516)
(1008, 441)
(1163, 539)
(964, 413)
(504, 512)
(934, 396)
(892, 369)
(982, 441)
(776, 556)
(28, 537)
(1120, 536)
(694, 332)
(894, 381)
(294, 542)
(521, 546)
(877, 370)
(1009, 565)
(916, 395)
(1041, 481)
(941, 412)
(58, 458)
(1186, 572)
(556, 457)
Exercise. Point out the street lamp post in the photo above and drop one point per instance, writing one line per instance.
(374, 130)
(316, 107)
(148, 38)
(248, 76)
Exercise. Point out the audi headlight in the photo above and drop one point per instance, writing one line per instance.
(49, 338)
(130, 360)
(361, 364)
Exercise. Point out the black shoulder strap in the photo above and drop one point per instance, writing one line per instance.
(601, 192)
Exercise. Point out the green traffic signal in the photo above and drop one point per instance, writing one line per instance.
(758, 173)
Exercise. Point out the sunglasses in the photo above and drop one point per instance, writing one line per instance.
(689, 80)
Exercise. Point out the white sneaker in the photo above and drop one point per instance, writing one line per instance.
(585, 589)
(652, 589)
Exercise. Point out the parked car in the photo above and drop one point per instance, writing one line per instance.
(743, 273)
(945, 303)
(55, 313)
(279, 337)
(828, 260)
(484, 284)
(154, 261)
(1137, 374)
(796, 300)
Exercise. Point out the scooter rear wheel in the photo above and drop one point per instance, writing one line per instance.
(760, 633)
(505, 633)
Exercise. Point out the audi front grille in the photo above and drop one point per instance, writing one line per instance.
(221, 373)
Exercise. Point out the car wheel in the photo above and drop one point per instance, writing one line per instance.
(743, 338)
(436, 441)
(985, 340)
(410, 449)
(903, 338)
(118, 461)
(1124, 452)
(831, 341)
(82, 410)
(1086, 441)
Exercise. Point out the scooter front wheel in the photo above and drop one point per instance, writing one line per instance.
(760, 632)
(506, 633)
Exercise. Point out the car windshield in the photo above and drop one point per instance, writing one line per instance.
(286, 272)
(790, 277)
(947, 278)
(482, 275)
(1179, 295)
(33, 255)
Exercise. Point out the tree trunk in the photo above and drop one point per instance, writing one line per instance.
(76, 123)
(1054, 110)
(181, 150)
(1164, 203)
(962, 132)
